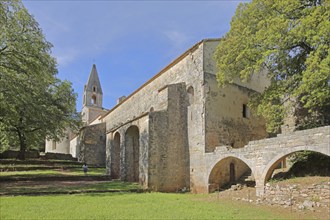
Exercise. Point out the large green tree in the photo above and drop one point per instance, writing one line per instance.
(289, 39)
(34, 103)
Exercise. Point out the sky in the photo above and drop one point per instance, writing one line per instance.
(129, 41)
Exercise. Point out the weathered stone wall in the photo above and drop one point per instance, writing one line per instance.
(187, 69)
(299, 197)
(152, 98)
(115, 159)
(224, 120)
(90, 113)
(92, 144)
(168, 143)
(225, 123)
(197, 120)
(221, 118)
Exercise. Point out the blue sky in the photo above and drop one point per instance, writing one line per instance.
(129, 41)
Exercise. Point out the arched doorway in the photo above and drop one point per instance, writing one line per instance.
(228, 171)
(132, 152)
(115, 157)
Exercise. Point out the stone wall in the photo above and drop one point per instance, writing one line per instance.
(119, 150)
(225, 122)
(299, 197)
(168, 143)
(92, 144)
(152, 98)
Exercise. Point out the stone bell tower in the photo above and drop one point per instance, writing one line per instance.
(92, 100)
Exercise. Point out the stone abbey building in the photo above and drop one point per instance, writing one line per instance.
(160, 134)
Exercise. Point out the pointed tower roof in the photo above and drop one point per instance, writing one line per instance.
(93, 80)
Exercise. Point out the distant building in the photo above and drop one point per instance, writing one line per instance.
(79, 146)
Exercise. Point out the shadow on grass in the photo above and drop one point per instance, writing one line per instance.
(66, 187)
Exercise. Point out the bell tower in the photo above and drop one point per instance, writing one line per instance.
(92, 100)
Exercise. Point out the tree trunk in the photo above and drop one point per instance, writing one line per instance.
(22, 144)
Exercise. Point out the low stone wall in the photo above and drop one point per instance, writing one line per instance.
(58, 156)
(300, 197)
(11, 154)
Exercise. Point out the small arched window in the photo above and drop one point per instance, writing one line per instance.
(94, 88)
(152, 109)
(190, 92)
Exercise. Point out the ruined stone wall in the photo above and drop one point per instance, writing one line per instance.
(168, 143)
(298, 196)
(92, 144)
(227, 121)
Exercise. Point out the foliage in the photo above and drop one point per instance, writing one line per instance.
(290, 40)
(34, 104)
(133, 206)
(310, 163)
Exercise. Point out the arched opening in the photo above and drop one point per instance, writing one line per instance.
(229, 171)
(132, 155)
(93, 99)
(190, 92)
(115, 157)
(94, 88)
(298, 164)
(152, 109)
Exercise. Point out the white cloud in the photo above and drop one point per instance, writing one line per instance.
(65, 57)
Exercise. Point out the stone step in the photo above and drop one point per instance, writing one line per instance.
(56, 178)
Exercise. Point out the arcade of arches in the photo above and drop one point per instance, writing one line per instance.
(130, 144)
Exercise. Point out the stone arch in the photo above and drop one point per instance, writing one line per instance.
(115, 157)
(269, 168)
(221, 174)
(132, 153)
(191, 93)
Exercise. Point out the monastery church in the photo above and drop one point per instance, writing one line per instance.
(160, 134)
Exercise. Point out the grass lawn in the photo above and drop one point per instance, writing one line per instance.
(56, 172)
(132, 206)
(60, 186)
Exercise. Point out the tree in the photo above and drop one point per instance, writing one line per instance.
(34, 104)
(289, 39)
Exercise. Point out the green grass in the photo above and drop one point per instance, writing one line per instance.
(39, 188)
(130, 206)
(58, 172)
